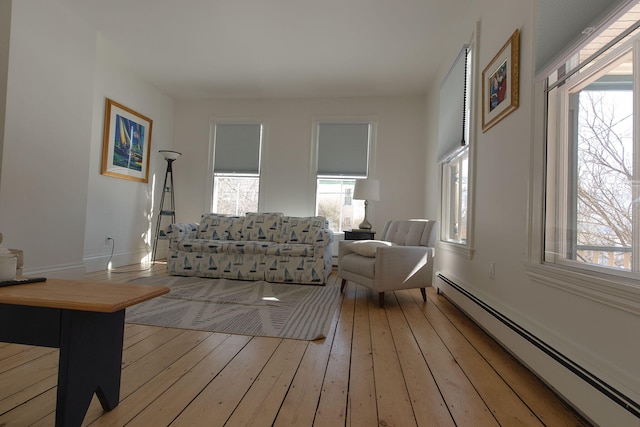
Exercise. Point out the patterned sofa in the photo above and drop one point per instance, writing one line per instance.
(257, 246)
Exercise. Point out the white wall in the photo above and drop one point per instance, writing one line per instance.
(288, 181)
(600, 338)
(5, 32)
(43, 190)
(116, 207)
(54, 204)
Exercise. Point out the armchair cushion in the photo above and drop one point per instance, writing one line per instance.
(368, 248)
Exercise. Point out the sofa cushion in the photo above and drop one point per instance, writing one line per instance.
(235, 230)
(262, 226)
(301, 229)
(291, 249)
(214, 226)
(200, 245)
(368, 248)
(244, 247)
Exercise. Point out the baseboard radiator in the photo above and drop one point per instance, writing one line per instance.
(611, 392)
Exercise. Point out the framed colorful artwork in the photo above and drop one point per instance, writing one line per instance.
(126, 143)
(500, 81)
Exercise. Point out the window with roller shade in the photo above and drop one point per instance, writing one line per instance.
(236, 170)
(343, 153)
(453, 149)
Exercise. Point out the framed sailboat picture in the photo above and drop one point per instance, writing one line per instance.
(126, 143)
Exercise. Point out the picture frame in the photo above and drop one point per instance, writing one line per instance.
(500, 83)
(126, 143)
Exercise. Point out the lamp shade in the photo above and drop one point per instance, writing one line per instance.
(367, 189)
(169, 155)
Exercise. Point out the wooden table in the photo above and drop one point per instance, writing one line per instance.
(86, 322)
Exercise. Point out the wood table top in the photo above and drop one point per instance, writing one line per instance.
(103, 297)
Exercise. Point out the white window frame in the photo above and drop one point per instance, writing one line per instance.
(453, 200)
(210, 187)
(621, 291)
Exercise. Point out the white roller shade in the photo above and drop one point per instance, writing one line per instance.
(343, 149)
(452, 122)
(237, 148)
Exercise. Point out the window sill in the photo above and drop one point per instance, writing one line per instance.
(459, 249)
(617, 293)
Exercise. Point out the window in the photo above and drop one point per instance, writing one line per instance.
(455, 176)
(236, 170)
(592, 193)
(343, 157)
(453, 150)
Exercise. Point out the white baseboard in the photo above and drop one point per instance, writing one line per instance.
(582, 387)
(119, 259)
(61, 271)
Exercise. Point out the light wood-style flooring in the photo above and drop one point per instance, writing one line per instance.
(408, 364)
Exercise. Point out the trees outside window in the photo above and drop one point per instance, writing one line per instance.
(235, 195)
(604, 196)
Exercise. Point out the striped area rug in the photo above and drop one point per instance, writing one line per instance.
(239, 307)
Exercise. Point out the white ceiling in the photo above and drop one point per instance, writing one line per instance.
(276, 48)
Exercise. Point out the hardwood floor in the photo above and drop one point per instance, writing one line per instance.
(407, 364)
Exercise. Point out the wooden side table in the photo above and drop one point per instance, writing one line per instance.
(357, 234)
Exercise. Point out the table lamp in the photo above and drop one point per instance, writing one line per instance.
(366, 189)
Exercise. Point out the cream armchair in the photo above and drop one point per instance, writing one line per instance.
(401, 259)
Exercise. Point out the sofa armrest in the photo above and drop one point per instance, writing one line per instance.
(182, 231)
(323, 237)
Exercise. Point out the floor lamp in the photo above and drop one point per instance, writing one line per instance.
(366, 189)
(170, 157)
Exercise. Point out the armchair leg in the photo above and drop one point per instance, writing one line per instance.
(344, 283)
(381, 298)
(423, 291)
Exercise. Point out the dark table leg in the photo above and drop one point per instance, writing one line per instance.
(90, 361)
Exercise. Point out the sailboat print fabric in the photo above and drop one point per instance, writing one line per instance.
(258, 246)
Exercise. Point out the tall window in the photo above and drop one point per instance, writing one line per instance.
(592, 208)
(453, 149)
(455, 184)
(236, 170)
(343, 157)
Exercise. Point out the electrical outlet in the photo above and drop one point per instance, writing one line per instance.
(492, 270)
(106, 239)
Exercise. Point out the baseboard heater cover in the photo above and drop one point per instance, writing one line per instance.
(611, 392)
